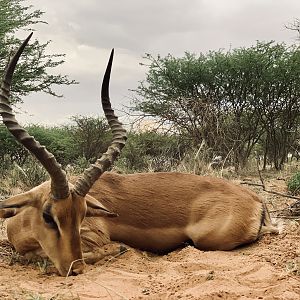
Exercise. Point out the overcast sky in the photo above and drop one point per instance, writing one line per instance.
(87, 30)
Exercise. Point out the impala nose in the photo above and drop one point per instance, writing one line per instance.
(77, 268)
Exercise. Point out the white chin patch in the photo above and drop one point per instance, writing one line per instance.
(279, 223)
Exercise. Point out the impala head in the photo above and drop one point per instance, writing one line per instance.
(57, 208)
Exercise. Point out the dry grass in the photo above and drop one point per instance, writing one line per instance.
(15, 178)
(38, 296)
(9, 255)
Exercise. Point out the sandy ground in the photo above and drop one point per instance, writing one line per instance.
(268, 269)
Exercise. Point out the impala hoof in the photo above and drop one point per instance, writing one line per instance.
(123, 248)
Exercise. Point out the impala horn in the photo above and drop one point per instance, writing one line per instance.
(90, 175)
(59, 183)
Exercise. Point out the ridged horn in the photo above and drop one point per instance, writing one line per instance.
(59, 183)
(90, 175)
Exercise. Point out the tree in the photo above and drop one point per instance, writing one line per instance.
(279, 105)
(85, 138)
(11, 148)
(57, 140)
(32, 73)
(230, 100)
(151, 150)
(91, 136)
(295, 26)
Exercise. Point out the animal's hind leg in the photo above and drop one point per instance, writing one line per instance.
(104, 253)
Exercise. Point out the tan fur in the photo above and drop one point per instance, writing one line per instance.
(159, 211)
(28, 232)
(156, 212)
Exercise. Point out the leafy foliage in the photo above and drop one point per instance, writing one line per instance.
(91, 136)
(57, 140)
(152, 151)
(230, 100)
(295, 26)
(86, 138)
(10, 148)
(32, 73)
(294, 184)
(79, 144)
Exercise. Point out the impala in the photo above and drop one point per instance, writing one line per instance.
(74, 224)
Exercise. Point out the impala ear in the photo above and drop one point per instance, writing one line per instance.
(96, 209)
(6, 213)
(13, 205)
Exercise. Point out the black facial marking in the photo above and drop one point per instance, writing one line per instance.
(48, 218)
(3, 205)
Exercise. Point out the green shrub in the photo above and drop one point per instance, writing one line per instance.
(5, 165)
(78, 166)
(27, 176)
(150, 151)
(294, 184)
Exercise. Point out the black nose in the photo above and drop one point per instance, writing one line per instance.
(77, 268)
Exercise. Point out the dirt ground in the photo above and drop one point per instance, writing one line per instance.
(267, 269)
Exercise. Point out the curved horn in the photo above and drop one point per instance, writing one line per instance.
(59, 183)
(90, 175)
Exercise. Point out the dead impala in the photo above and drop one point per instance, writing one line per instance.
(73, 223)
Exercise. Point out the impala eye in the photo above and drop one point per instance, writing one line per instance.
(49, 220)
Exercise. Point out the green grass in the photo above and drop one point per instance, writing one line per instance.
(293, 184)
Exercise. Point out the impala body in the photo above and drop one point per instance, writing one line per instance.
(73, 223)
(160, 211)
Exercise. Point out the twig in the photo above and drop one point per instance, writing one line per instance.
(283, 195)
(259, 173)
(286, 217)
(116, 256)
(71, 265)
(251, 183)
(271, 192)
(224, 161)
(197, 154)
(264, 186)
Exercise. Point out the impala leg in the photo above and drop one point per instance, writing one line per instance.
(104, 253)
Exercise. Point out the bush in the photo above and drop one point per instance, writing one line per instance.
(294, 184)
(24, 177)
(31, 174)
(150, 151)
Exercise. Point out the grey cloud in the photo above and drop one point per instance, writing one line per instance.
(86, 30)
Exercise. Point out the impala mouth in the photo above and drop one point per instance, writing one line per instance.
(74, 268)
(77, 267)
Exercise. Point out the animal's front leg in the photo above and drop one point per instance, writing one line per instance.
(34, 254)
(104, 253)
